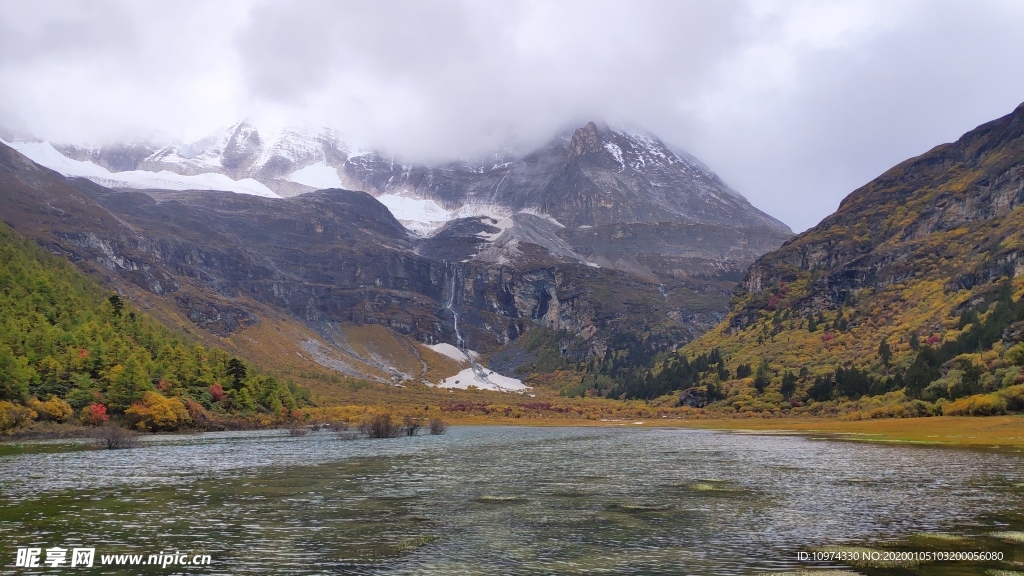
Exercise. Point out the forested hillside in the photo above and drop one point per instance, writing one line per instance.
(70, 350)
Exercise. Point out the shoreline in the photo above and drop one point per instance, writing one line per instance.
(1003, 433)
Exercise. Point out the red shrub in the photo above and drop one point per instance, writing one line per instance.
(94, 414)
(216, 392)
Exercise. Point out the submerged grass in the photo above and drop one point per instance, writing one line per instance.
(633, 507)
(709, 487)
(942, 538)
(492, 499)
(414, 544)
(1009, 536)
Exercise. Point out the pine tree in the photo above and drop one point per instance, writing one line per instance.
(761, 380)
(884, 353)
(236, 369)
(788, 384)
(742, 371)
(117, 304)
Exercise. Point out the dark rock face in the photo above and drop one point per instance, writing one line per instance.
(217, 318)
(615, 200)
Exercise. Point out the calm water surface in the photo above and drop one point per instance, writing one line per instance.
(510, 500)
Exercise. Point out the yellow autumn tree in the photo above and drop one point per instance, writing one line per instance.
(12, 415)
(53, 409)
(158, 412)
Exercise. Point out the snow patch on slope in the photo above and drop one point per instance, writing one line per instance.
(416, 214)
(319, 176)
(489, 380)
(424, 216)
(452, 352)
(46, 155)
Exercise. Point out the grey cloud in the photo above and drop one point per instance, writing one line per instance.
(430, 80)
(296, 48)
(33, 32)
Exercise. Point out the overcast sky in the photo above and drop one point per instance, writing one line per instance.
(794, 103)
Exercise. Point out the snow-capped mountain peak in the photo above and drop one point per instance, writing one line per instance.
(590, 176)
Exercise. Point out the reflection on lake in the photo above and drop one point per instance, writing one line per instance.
(513, 500)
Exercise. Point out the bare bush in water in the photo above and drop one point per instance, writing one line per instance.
(113, 437)
(438, 427)
(381, 426)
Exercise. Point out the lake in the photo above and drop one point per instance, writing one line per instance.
(514, 500)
